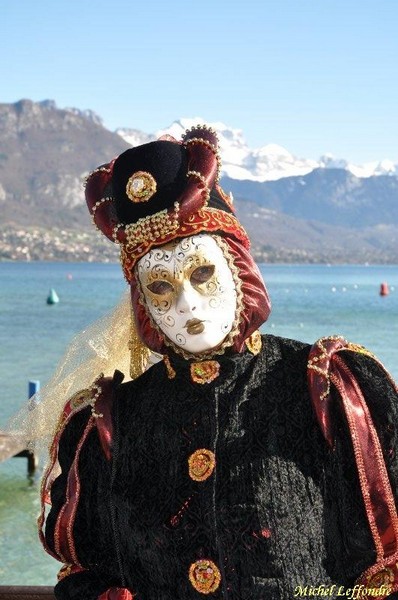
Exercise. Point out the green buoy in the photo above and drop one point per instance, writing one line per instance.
(52, 297)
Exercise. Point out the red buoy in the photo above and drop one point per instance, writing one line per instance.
(384, 291)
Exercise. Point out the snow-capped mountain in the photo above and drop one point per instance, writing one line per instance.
(135, 137)
(268, 163)
(373, 168)
(327, 214)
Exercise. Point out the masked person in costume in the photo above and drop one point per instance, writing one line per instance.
(239, 466)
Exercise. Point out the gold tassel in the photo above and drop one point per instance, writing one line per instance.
(139, 353)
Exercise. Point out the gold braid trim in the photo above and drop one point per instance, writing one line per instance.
(163, 227)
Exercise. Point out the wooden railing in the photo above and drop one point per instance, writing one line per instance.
(14, 445)
(26, 592)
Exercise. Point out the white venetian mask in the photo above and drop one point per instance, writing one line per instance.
(190, 292)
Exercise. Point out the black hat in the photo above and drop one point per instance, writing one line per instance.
(160, 191)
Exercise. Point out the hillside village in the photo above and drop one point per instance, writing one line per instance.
(295, 210)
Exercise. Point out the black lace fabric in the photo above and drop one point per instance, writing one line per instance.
(279, 511)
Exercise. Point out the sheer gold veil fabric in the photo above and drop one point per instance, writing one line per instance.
(100, 348)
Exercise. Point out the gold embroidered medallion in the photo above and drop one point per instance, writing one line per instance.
(201, 464)
(141, 186)
(204, 576)
(205, 371)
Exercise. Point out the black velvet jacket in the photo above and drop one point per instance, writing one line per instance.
(280, 510)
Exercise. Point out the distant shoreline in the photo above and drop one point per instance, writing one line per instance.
(31, 244)
(280, 263)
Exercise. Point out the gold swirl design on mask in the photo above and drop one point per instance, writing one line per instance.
(229, 339)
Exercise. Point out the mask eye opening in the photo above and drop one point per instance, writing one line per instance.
(160, 287)
(202, 274)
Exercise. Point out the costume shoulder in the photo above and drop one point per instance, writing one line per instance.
(350, 369)
(98, 398)
(99, 391)
(349, 386)
(82, 447)
(86, 411)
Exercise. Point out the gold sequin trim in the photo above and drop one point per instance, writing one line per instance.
(254, 343)
(64, 571)
(204, 576)
(141, 186)
(205, 371)
(150, 228)
(201, 464)
(360, 349)
(137, 238)
(170, 371)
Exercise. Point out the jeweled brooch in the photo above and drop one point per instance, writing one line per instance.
(201, 464)
(204, 576)
(141, 186)
(205, 371)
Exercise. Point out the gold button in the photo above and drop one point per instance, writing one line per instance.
(204, 576)
(381, 578)
(201, 464)
(205, 371)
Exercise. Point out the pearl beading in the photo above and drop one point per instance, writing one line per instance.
(99, 170)
(212, 147)
(96, 206)
(97, 393)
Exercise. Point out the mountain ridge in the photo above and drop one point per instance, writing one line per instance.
(326, 215)
(267, 163)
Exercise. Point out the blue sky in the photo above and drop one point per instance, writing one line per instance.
(315, 76)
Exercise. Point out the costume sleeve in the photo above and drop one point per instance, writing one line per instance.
(78, 527)
(356, 402)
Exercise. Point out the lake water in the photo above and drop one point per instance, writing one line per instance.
(309, 301)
